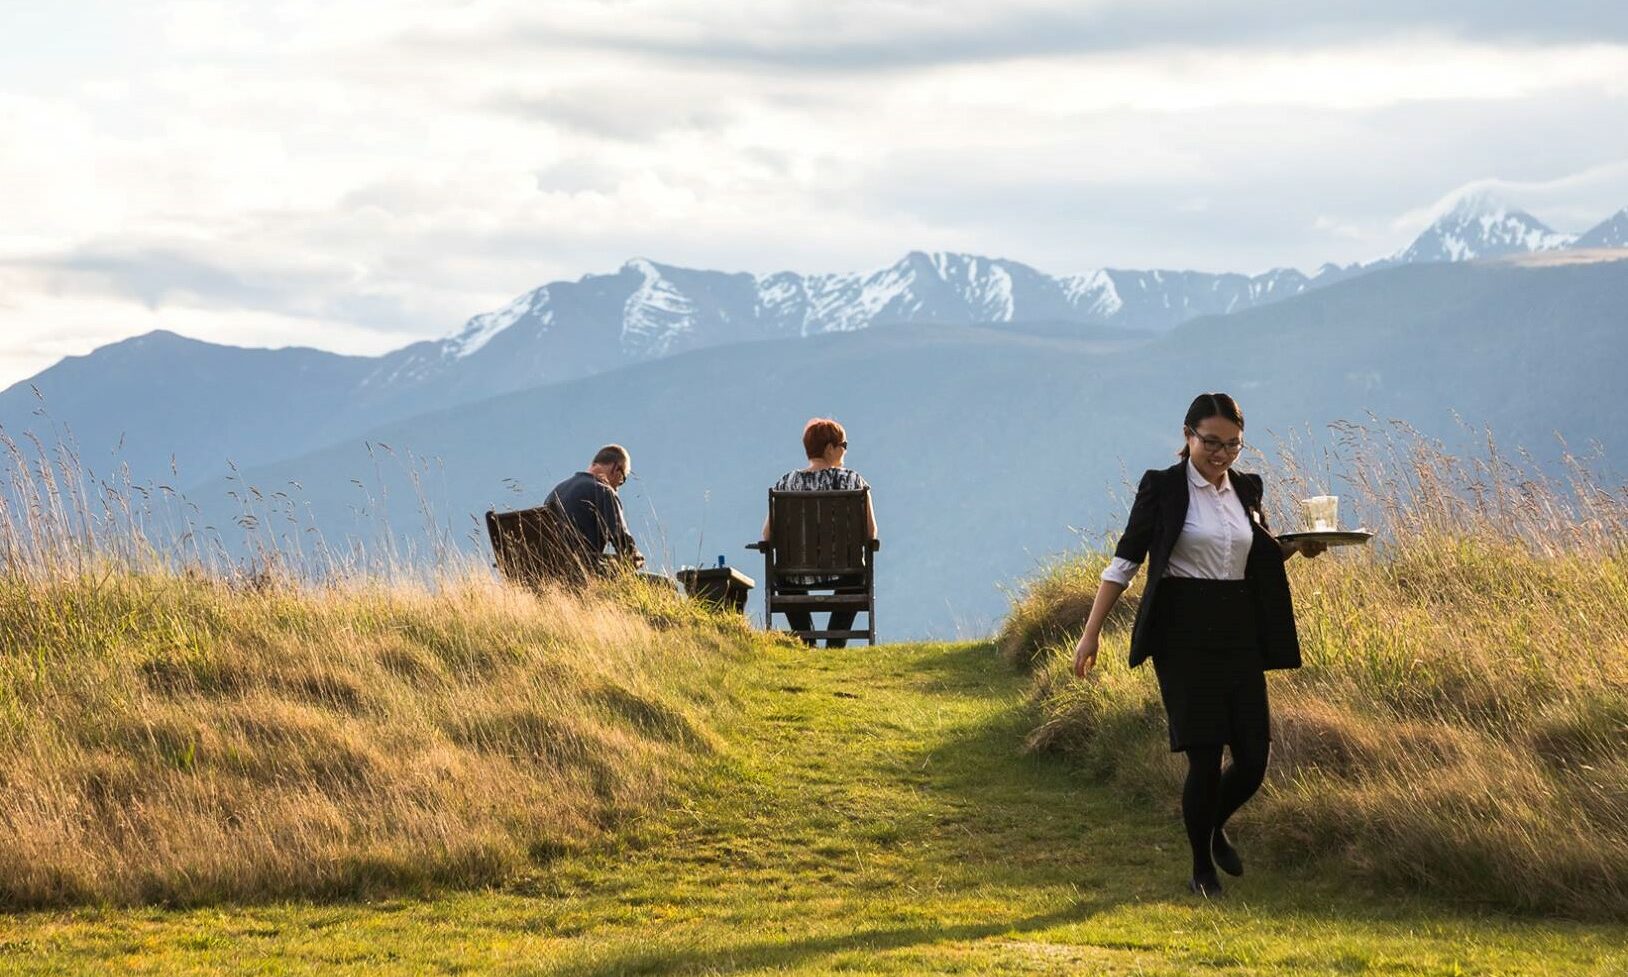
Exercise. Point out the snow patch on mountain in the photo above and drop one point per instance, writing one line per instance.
(656, 315)
(1093, 294)
(983, 286)
(480, 329)
(877, 292)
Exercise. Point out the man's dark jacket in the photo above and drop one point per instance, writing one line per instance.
(1156, 519)
(594, 508)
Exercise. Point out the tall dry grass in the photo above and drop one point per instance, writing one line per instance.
(181, 728)
(1052, 607)
(1461, 722)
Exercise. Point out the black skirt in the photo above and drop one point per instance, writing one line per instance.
(1208, 660)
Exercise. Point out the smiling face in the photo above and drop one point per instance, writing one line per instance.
(1214, 446)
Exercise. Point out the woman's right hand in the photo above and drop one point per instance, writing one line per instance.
(1085, 653)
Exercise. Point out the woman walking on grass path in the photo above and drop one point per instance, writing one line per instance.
(1214, 617)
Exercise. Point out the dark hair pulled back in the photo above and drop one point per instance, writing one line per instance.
(1211, 405)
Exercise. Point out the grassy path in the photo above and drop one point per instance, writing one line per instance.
(872, 815)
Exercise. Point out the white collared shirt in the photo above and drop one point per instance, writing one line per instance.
(1214, 541)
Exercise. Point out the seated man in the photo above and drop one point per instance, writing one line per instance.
(588, 500)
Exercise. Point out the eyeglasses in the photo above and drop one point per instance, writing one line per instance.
(1216, 444)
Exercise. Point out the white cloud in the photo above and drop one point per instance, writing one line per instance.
(43, 327)
(313, 172)
(1569, 202)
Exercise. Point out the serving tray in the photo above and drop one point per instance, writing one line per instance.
(1338, 537)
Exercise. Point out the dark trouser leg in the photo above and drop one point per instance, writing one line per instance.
(1242, 779)
(1200, 802)
(840, 621)
(798, 620)
(801, 621)
(844, 620)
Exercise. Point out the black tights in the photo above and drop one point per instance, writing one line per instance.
(1210, 796)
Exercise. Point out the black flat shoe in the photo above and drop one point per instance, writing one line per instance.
(1226, 856)
(1207, 886)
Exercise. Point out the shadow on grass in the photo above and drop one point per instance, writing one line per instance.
(764, 954)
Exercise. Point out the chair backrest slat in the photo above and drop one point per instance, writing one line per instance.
(537, 544)
(819, 531)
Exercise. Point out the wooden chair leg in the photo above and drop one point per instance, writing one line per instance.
(870, 592)
(768, 592)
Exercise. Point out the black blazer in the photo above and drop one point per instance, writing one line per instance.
(1156, 519)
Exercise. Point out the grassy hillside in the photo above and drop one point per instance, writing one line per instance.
(1461, 724)
(177, 727)
(867, 812)
(177, 739)
(206, 771)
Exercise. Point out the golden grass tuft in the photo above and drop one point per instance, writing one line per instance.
(173, 739)
(186, 722)
(1461, 723)
(1051, 609)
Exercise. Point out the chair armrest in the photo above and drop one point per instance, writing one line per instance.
(873, 545)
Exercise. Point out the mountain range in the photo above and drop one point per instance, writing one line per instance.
(647, 310)
(251, 405)
(989, 355)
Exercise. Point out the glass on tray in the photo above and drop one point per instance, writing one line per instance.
(1320, 514)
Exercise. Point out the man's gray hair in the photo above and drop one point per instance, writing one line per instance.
(614, 454)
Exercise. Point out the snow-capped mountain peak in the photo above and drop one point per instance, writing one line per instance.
(656, 314)
(1474, 204)
(984, 286)
(1480, 224)
(1094, 293)
(643, 266)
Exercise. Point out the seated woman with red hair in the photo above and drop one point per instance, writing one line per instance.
(826, 445)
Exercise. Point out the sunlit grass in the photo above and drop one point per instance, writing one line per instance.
(867, 811)
(1461, 724)
(180, 726)
(176, 740)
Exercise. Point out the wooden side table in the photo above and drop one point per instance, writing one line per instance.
(724, 586)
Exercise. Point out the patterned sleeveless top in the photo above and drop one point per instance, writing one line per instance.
(823, 480)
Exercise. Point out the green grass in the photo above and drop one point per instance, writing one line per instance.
(868, 811)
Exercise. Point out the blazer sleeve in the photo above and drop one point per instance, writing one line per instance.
(1138, 535)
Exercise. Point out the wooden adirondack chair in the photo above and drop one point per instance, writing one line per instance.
(537, 545)
(820, 534)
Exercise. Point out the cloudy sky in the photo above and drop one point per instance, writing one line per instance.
(355, 175)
